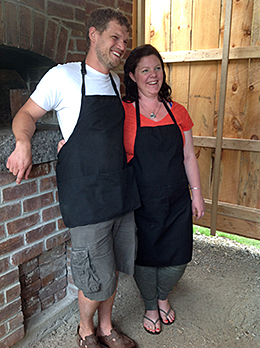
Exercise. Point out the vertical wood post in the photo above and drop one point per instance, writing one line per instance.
(221, 112)
(140, 22)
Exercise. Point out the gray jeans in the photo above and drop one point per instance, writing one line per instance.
(156, 283)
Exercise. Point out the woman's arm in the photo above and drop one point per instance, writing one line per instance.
(192, 171)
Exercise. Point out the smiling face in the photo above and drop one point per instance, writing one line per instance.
(148, 76)
(110, 46)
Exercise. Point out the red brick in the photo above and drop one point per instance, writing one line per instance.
(62, 45)
(40, 232)
(51, 37)
(39, 170)
(13, 338)
(2, 299)
(28, 267)
(125, 6)
(57, 196)
(27, 254)
(38, 33)
(50, 255)
(48, 183)
(2, 330)
(47, 280)
(31, 307)
(30, 301)
(75, 57)
(2, 231)
(8, 279)
(25, 27)
(38, 202)
(23, 223)
(13, 293)
(10, 310)
(60, 294)
(29, 278)
(60, 10)
(10, 211)
(80, 15)
(19, 191)
(81, 45)
(71, 45)
(61, 224)
(31, 311)
(36, 4)
(107, 3)
(11, 19)
(11, 245)
(6, 177)
(56, 268)
(4, 263)
(47, 302)
(51, 213)
(16, 321)
(91, 7)
(78, 29)
(80, 3)
(57, 239)
(53, 288)
(31, 289)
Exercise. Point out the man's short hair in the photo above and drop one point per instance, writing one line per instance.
(101, 17)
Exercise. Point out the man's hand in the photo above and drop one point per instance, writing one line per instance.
(20, 161)
(60, 144)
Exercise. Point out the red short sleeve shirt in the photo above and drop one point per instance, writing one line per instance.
(180, 113)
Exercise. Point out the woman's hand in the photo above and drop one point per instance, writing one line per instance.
(198, 206)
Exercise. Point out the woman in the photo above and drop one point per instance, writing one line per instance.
(158, 142)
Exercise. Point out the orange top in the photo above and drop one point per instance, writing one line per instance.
(180, 113)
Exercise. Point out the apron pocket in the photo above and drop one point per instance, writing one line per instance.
(94, 198)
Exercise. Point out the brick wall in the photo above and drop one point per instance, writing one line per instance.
(34, 243)
(34, 248)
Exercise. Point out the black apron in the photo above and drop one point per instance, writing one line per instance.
(94, 182)
(164, 220)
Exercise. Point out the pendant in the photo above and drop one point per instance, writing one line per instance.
(153, 115)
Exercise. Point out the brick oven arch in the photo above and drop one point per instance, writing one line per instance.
(33, 29)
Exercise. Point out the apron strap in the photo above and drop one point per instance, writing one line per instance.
(169, 111)
(114, 85)
(83, 90)
(137, 112)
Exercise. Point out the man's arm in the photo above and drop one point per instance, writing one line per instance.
(20, 161)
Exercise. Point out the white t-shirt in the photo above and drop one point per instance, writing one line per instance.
(60, 90)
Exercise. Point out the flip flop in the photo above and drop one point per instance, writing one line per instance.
(154, 323)
(166, 314)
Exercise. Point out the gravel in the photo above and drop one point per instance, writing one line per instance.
(216, 303)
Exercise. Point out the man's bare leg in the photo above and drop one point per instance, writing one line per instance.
(104, 316)
(87, 309)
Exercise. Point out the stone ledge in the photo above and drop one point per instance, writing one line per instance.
(44, 144)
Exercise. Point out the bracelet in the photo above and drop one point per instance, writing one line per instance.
(195, 188)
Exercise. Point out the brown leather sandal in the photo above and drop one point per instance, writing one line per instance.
(117, 340)
(90, 341)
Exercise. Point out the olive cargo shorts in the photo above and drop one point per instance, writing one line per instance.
(98, 251)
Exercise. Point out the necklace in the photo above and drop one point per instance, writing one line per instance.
(153, 113)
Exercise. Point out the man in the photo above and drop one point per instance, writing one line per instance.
(97, 190)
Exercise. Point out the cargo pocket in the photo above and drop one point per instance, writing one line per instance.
(83, 273)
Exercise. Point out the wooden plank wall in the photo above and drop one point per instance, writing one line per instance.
(189, 35)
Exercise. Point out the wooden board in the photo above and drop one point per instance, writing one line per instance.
(203, 82)
(189, 35)
(181, 17)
